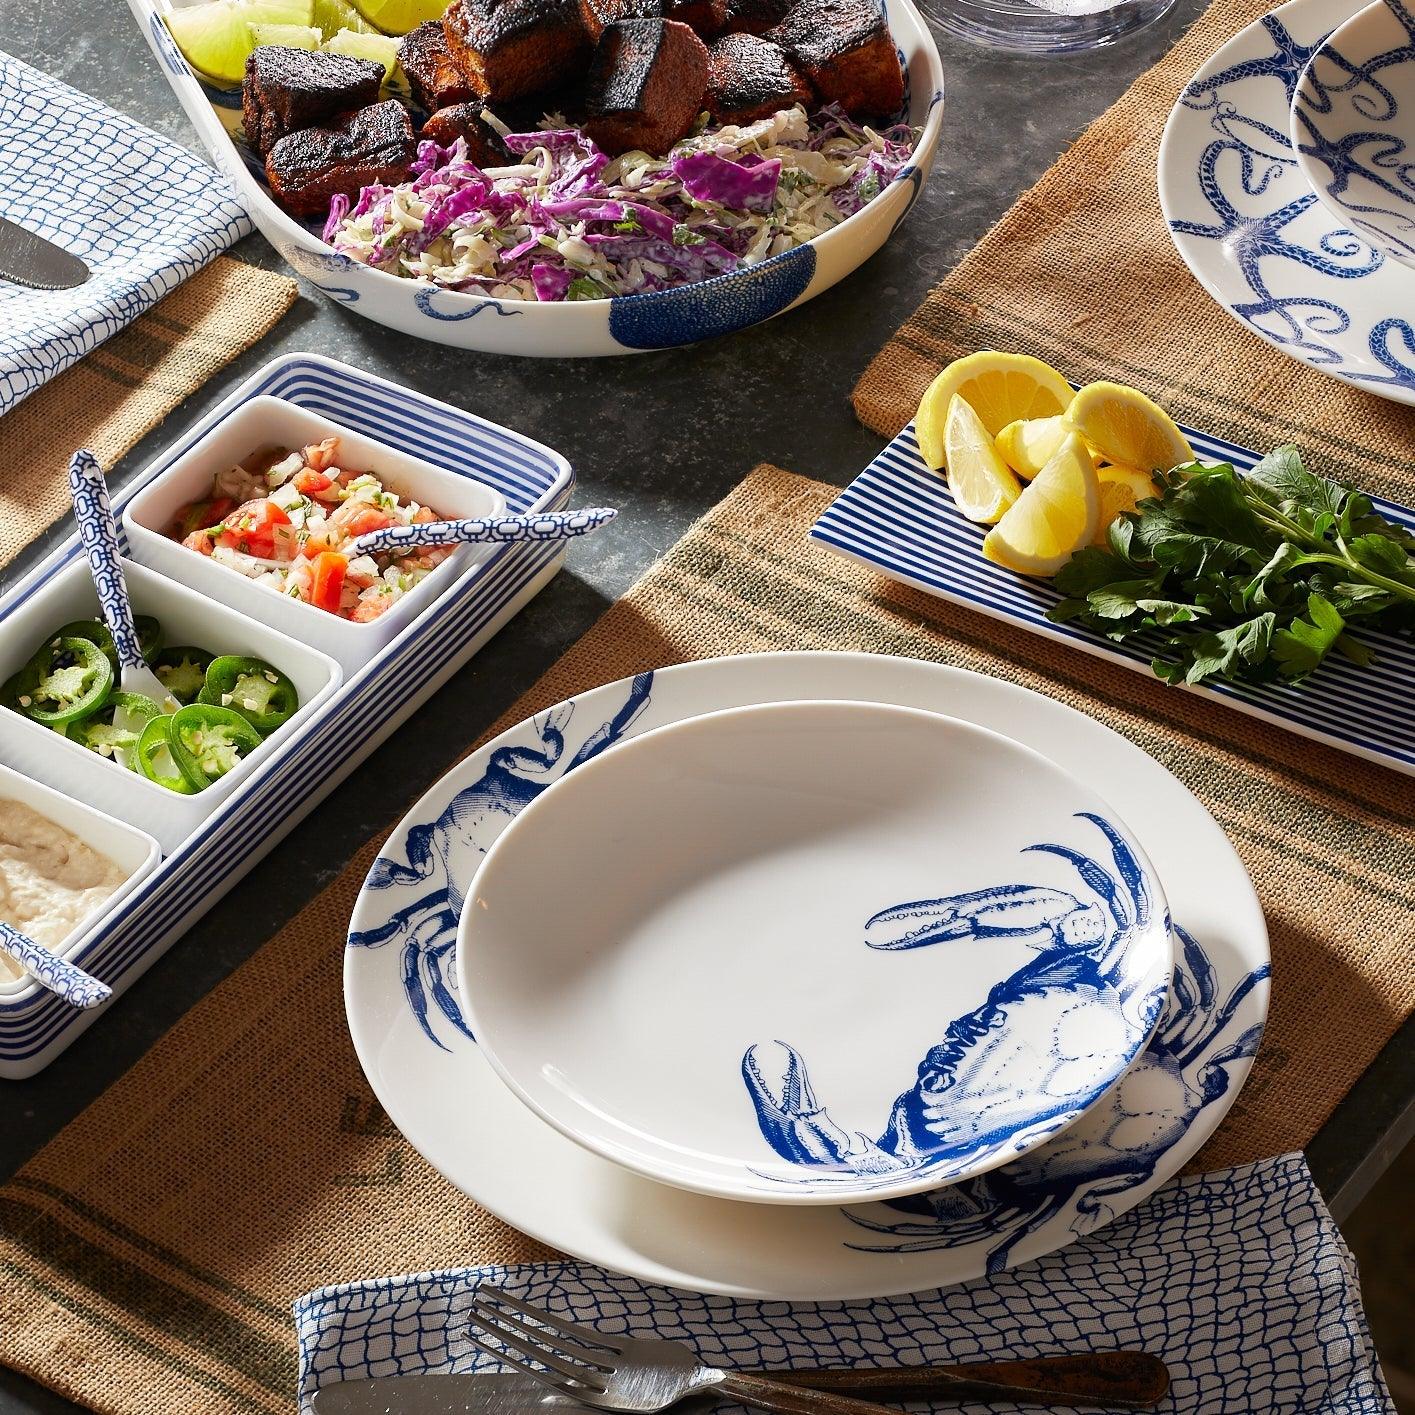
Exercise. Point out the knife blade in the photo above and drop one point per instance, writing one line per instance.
(1118, 1379)
(27, 259)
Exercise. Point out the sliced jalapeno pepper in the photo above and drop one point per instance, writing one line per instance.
(155, 760)
(263, 695)
(96, 631)
(100, 734)
(183, 671)
(207, 741)
(66, 680)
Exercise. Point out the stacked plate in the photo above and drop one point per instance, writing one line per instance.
(807, 976)
(1287, 176)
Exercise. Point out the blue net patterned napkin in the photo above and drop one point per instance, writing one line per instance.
(1239, 1279)
(143, 213)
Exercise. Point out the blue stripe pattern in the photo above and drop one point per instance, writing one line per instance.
(899, 517)
(368, 706)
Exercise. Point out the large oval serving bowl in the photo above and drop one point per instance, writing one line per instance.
(814, 953)
(1353, 126)
(623, 325)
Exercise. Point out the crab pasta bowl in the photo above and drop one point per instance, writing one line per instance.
(729, 988)
(758, 278)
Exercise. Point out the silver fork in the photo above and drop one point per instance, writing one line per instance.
(630, 1374)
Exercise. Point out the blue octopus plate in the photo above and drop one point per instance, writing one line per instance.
(1249, 225)
(1353, 126)
(410, 1030)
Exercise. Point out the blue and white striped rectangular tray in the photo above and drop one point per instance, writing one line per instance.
(899, 517)
(34, 1025)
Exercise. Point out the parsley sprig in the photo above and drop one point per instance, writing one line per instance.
(1251, 577)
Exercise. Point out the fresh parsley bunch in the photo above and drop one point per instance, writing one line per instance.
(1252, 577)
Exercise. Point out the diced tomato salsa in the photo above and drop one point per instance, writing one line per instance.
(287, 519)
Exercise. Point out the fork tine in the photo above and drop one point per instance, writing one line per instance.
(506, 1359)
(493, 1322)
(580, 1354)
(572, 1329)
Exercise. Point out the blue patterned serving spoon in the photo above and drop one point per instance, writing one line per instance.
(544, 525)
(64, 980)
(99, 535)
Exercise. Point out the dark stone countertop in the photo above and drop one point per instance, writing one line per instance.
(663, 436)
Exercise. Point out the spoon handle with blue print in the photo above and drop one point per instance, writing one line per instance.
(60, 977)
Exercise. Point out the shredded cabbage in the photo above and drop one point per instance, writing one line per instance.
(566, 222)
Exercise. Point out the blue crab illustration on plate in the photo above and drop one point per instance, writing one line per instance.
(425, 928)
(1048, 1041)
(1135, 1137)
(1114, 1149)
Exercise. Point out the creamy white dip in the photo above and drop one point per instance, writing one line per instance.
(50, 881)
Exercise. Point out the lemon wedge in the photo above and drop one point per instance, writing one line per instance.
(1121, 489)
(1000, 388)
(1028, 444)
(1125, 427)
(1053, 518)
(982, 485)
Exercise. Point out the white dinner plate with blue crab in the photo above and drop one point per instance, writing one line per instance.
(1248, 224)
(410, 1031)
(783, 897)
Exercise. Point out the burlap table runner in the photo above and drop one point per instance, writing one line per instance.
(1082, 273)
(121, 391)
(151, 1250)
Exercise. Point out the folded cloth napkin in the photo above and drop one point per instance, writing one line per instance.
(1238, 1279)
(143, 213)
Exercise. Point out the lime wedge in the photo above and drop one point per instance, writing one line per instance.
(278, 12)
(399, 16)
(331, 16)
(213, 37)
(291, 36)
(381, 48)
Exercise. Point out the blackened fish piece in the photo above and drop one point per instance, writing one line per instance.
(466, 120)
(433, 75)
(646, 85)
(749, 78)
(598, 13)
(707, 17)
(308, 168)
(848, 54)
(288, 89)
(509, 48)
(754, 16)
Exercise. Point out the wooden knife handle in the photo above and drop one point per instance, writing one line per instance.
(1128, 1379)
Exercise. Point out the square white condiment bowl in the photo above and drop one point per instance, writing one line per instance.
(264, 423)
(186, 618)
(132, 850)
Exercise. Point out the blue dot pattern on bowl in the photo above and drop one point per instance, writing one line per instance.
(666, 318)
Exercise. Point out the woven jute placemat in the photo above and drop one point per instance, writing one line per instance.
(122, 390)
(1082, 272)
(151, 1250)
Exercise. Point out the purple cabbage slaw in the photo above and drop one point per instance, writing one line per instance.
(568, 223)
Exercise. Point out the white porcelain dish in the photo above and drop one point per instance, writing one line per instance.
(264, 423)
(1352, 126)
(133, 851)
(1250, 228)
(333, 741)
(773, 911)
(626, 324)
(440, 1090)
(187, 618)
